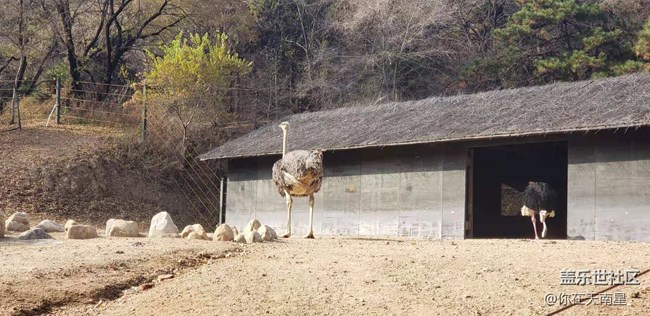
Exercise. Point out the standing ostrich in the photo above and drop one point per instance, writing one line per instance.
(298, 173)
(539, 197)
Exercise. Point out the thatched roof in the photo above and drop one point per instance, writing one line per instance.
(620, 102)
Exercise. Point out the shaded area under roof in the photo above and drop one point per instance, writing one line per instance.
(619, 102)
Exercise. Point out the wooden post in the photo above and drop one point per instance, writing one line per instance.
(144, 112)
(58, 101)
(20, 121)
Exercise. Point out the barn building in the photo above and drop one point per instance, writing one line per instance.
(455, 167)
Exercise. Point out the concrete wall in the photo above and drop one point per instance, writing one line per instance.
(415, 191)
(609, 187)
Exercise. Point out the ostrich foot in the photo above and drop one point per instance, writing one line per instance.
(310, 235)
(287, 235)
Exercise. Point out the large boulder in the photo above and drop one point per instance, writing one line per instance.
(162, 225)
(2, 226)
(194, 235)
(69, 224)
(197, 229)
(36, 233)
(122, 228)
(240, 238)
(252, 237)
(267, 233)
(81, 232)
(50, 226)
(235, 232)
(19, 222)
(224, 233)
(252, 226)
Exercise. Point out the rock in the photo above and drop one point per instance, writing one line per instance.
(19, 222)
(224, 233)
(50, 226)
(252, 237)
(109, 224)
(36, 233)
(122, 228)
(193, 235)
(69, 224)
(235, 232)
(162, 225)
(267, 233)
(81, 232)
(196, 228)
(240, 238)
(264, 234)
(253, 225)
(2, 226)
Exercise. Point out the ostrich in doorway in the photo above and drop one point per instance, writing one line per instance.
(540, 198)
(298, 173)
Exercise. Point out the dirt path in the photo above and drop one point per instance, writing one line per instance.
(39, 276)
(327, 276)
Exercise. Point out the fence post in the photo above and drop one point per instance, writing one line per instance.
(221, 201)
(58, 101)
(144, 112)
(20, 121)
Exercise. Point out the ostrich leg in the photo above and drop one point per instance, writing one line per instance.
(532, 218)
(289, 204)
(542, 217)
(311, 217)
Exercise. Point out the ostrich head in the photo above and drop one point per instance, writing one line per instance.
(284, 126)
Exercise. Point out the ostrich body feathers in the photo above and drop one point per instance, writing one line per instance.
(539, 196)
(300, 172)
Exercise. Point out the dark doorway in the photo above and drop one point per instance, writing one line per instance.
(497, 178)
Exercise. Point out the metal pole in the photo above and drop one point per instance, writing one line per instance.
(221, 201)
(58, 101)
(144, 112)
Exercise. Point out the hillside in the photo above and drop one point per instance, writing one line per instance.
(76, 172)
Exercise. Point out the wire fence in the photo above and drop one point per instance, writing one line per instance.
(54, 105)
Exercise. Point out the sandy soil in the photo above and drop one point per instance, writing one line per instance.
(326, 276)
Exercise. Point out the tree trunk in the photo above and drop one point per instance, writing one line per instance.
(63, 8)
(17, 82)
(39, 71)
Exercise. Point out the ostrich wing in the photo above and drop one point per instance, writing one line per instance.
(540, 196)
(278, 177)
(302, 163)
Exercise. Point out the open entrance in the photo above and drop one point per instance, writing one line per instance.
(497, 177)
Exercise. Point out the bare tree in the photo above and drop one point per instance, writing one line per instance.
(117, 28)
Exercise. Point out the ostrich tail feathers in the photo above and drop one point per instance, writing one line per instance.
(525, 211)
(551, 214)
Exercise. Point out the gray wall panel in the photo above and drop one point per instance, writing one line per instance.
(453, 192)
(392, 193)
(581, 191)
(609, 188)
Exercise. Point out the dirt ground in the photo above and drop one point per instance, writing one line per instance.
(325, 276)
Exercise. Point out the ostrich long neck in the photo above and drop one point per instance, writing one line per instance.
(284, 142)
